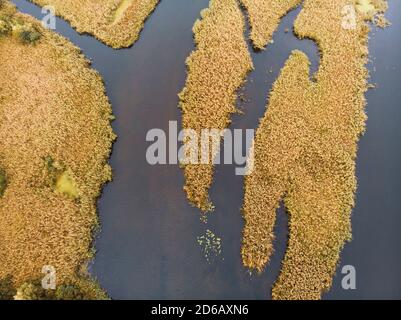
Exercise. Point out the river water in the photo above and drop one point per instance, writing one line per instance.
(147, 247)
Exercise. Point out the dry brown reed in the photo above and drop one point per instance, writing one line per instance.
(305, 150)
(264, 16)
(52, 105)
(117, 23)
(216, 69)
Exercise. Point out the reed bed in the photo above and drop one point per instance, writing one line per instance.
(216, 69)
(117, 23)
(264, 16)
(305, 150)
(53, 114)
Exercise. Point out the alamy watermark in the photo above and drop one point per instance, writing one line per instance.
(349, 17)
(202, 147)
(348, 282)
(49, 280)
(49, 19)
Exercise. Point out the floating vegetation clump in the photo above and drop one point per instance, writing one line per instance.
(211, 245)
(305, 150)
(51, 103)
(117, 23)
(264, 17)
(381, 21)
(216, 69)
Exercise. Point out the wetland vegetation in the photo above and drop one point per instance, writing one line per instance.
(114, 22)
(306, 144)
(216, 70)
(56, 137)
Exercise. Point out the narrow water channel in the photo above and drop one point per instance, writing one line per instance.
(147, 246)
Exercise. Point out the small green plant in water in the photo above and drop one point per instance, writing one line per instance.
(211, 245)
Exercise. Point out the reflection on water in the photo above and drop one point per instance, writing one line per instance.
(147, 247)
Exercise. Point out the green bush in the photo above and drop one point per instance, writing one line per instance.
(3, 182)
(29, 36)
(5, 28)
(34, 291)
(7, 290)
(69, 292)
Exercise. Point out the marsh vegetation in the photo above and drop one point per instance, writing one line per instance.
(114, 22)
(56, 138)
(216, 70)
(305, 146)
(306, 143)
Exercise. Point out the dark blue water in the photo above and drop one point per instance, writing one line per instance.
(147, 245)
